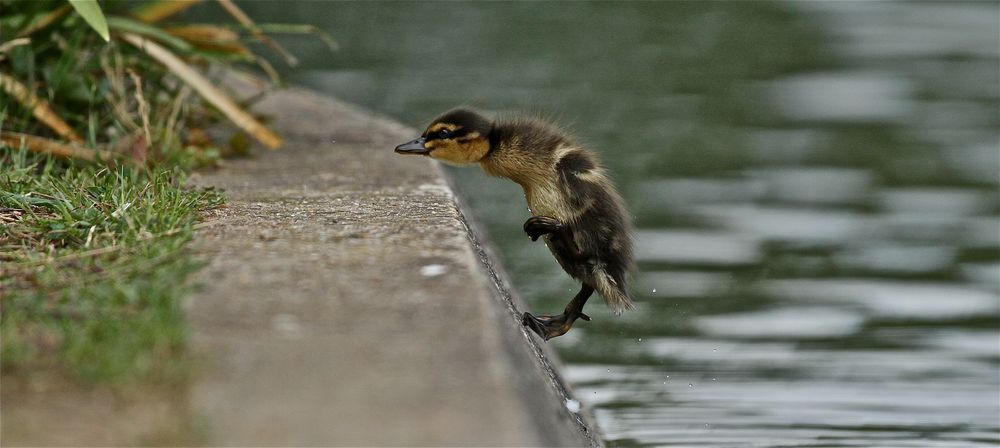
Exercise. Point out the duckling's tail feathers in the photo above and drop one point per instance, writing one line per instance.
(613, 290)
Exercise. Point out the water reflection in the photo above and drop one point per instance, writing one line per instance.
(815, 186)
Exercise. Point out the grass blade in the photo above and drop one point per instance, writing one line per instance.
(91, 12)
(122, 24)
(295, 28)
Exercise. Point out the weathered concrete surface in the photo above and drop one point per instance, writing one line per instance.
(345, 304)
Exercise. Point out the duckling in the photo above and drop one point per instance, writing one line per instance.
(573, 203)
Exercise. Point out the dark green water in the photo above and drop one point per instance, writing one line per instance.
(814, 184)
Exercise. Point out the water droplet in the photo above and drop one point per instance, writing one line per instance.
(715, 349)
(690, 385)
(668, 376)
(707, 425)
(664, 382)
(713, 379)
(640, 339)
(573, 405)
(609, 370)
(654, 290)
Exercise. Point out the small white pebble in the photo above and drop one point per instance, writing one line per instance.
(573, 405)
(433, 270)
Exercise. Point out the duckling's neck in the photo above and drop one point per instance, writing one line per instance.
(527, 153)
(524, 151)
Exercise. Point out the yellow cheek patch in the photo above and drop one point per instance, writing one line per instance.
(464, 153)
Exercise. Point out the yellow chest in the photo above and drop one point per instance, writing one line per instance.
(547, 199)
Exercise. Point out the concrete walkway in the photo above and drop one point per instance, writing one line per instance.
(345, 303)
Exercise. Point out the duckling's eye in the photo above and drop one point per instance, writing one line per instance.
(444, 133)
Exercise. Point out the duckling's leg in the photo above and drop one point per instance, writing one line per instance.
(537, 226)
(549, 327)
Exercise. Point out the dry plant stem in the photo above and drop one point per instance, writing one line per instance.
(272, 74)
(211, 37)
(117, 94)
(143, 106)
(39, 108)
(14, 43)
(58, 149)
(49, 19)
(154, 12)
(175, 111)
(203, 33)
(245, 20)
(211, 93)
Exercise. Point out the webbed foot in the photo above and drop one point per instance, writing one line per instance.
(549, 327)
(537, 226)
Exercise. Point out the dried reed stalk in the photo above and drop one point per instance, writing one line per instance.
(245, 20)
(204, 88)
(59, 149)
(39, 108)
(156, 11)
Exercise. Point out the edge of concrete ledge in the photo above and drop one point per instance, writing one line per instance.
(524, 349)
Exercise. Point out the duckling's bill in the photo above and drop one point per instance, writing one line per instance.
(416, 146)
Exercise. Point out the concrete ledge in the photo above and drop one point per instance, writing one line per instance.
(349, 300)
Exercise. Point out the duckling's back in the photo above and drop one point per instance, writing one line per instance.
(600, 226)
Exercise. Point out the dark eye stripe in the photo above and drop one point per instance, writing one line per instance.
(446, 133)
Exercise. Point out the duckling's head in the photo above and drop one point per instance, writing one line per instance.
(458, 137)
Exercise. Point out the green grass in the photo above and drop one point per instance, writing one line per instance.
(93, 264)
